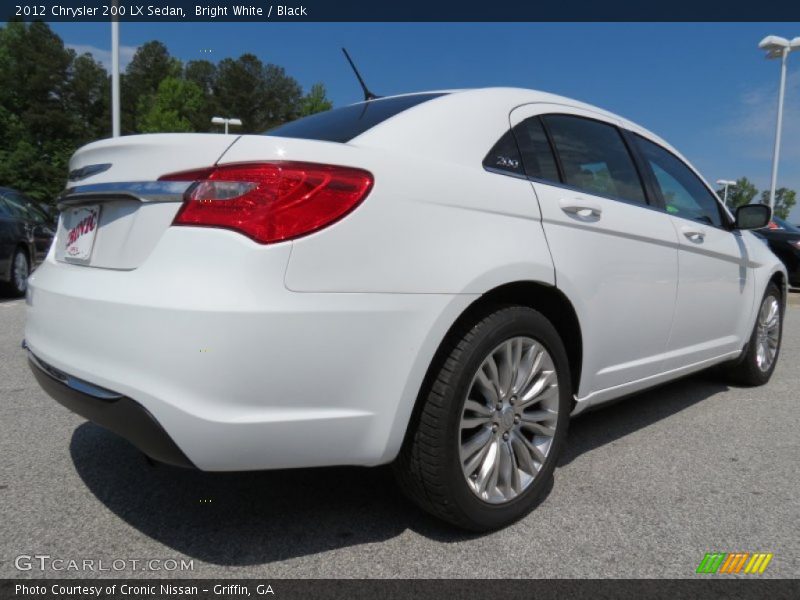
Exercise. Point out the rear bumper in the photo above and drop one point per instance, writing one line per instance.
(241, 373)
(115, 412)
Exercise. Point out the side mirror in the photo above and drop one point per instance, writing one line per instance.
(753, 216)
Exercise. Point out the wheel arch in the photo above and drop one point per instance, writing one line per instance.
(545, 298)
(779, 279)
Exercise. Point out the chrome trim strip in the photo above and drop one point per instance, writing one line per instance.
(144, 191)
(79, 385)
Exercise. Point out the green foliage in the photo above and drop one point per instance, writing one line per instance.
(151, 64)
(740, 194)
(785, 199)
(53, 101)
(262, 96)
(315, 101)
(171, 108)
(203, 74)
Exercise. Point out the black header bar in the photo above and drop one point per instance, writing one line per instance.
(400, 11)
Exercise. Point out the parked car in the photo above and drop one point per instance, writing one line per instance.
(26, 232)
(437, 280)
(783, 239)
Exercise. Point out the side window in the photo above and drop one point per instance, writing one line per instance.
(594, 158)
(15, 206)
(683, 192)
(504, 156)
(4, 211)
(537, 157)
(22, 208)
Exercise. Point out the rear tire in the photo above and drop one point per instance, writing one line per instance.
(760, 356)
(20, 270)
(525, 404)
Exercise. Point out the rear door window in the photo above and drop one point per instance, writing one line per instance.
(594, 158)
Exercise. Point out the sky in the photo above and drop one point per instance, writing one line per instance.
(704, 87)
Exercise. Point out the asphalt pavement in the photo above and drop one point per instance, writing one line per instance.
(646, 488)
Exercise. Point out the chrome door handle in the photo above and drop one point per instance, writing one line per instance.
(581, 208)
(694, 235)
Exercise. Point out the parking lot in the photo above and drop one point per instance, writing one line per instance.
(646, 487)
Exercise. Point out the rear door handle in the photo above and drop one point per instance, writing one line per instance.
(581, 208)
(693, 234)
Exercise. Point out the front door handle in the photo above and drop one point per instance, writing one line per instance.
(581, 208)
(693, 234)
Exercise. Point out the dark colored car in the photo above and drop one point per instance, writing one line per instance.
(26, 231)
(783, 239)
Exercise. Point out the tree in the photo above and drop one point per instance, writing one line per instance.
(785, 199)
(37, 131)
(204, 75)
(740, 194)
(87, 97)
(151, 64)
(262, 96)
(315, 101)
(171, 108)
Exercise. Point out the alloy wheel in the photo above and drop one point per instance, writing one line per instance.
(768, 332)
(509, 420)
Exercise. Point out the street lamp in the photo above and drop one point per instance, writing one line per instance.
(778, 47)
(725, 183)
(115, 119)
(226, 122)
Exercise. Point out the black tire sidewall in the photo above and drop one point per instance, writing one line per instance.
(12, 284)
(754, 374)
(512, 322)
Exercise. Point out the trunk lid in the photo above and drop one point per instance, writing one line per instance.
(114, 209)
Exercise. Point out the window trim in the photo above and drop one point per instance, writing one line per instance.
(725, 222)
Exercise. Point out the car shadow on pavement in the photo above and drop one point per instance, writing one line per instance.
(240, 519)
(615, 420)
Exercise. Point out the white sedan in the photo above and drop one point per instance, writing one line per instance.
(437, 280)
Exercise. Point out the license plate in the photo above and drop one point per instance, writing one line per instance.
(80, 229)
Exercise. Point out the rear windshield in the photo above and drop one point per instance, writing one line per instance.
(343, 124)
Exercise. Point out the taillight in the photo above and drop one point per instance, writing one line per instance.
(271, 201)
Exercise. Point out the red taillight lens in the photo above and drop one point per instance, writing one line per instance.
(271, 202)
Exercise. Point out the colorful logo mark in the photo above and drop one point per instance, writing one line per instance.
(734, 563)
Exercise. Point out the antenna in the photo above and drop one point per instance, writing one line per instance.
(367, 94)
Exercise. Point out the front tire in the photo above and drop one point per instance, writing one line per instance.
(757, 364)
(482, 447)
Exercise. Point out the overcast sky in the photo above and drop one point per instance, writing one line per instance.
(706, 88)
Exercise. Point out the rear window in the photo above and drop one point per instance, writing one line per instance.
(345, 123)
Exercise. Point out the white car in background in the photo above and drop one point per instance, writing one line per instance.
(437, 280)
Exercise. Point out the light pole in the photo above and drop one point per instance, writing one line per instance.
(226, 122)
(778, 47)
(115, 127)
(726, 183)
